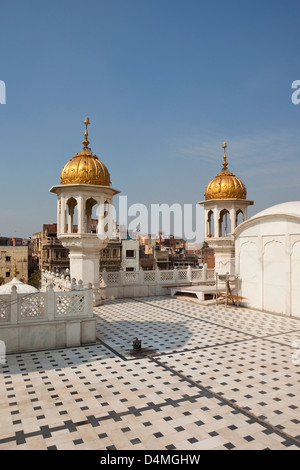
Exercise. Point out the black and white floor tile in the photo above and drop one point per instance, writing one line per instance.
(218, 378)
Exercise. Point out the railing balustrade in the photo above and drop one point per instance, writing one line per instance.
(158, 277)
(126, 278)
(47, 306)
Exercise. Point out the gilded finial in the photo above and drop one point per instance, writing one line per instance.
(15, 272)
(225, 164)
(85, 141)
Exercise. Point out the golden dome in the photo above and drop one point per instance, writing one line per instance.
(85, 167)
(225, 185)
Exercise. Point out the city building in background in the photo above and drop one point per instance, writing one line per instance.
(147, 252)
(13, 262)
(130, 255)
(48, 251)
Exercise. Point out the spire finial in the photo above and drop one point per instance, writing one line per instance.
(224, 146)
(85, 141)
(15, 272)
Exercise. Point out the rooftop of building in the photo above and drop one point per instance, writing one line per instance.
(219, 378)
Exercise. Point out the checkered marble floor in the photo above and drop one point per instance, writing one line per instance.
(218, 378)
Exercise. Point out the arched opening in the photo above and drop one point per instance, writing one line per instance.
(210, 224)
(91, 218)
(106, 208)
(225, 223)
(105, 219)
(239, 217)
(72, 215)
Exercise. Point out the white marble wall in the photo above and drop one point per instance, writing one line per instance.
(268, 263)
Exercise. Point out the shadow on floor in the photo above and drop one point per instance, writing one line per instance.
(159, 336)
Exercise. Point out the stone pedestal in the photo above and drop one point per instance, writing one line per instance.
(224, 254)
(84, 253)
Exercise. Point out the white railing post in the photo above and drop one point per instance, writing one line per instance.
(67, 283)
(88, 301)
(204, 270)
(189, 274)
(157, 275)
(175, 274)
(14, 305)
(50, 302)
(104, 277)
(121, 277)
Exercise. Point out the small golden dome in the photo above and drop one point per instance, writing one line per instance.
(225, 185)
(85, 167)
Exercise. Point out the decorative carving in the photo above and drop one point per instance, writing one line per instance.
(182, 275)
(149, 276)
(4, 311)
(166, 276)
(70, 305)
(32, 307)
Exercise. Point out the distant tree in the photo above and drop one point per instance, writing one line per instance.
(205, 245)
(35, 279)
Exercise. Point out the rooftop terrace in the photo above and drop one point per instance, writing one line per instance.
(217, 378)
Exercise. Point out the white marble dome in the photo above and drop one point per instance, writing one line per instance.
(285, 208)
(21, 287)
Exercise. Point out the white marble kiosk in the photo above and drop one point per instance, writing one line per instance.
(267, 251)
(85, 188)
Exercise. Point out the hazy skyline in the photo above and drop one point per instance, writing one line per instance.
(164, 84)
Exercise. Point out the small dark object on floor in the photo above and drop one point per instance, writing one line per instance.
(138, 351)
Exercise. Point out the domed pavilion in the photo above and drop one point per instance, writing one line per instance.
(225, 206)
(84, 215)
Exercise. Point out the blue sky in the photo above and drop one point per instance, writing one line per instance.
(164, 84)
